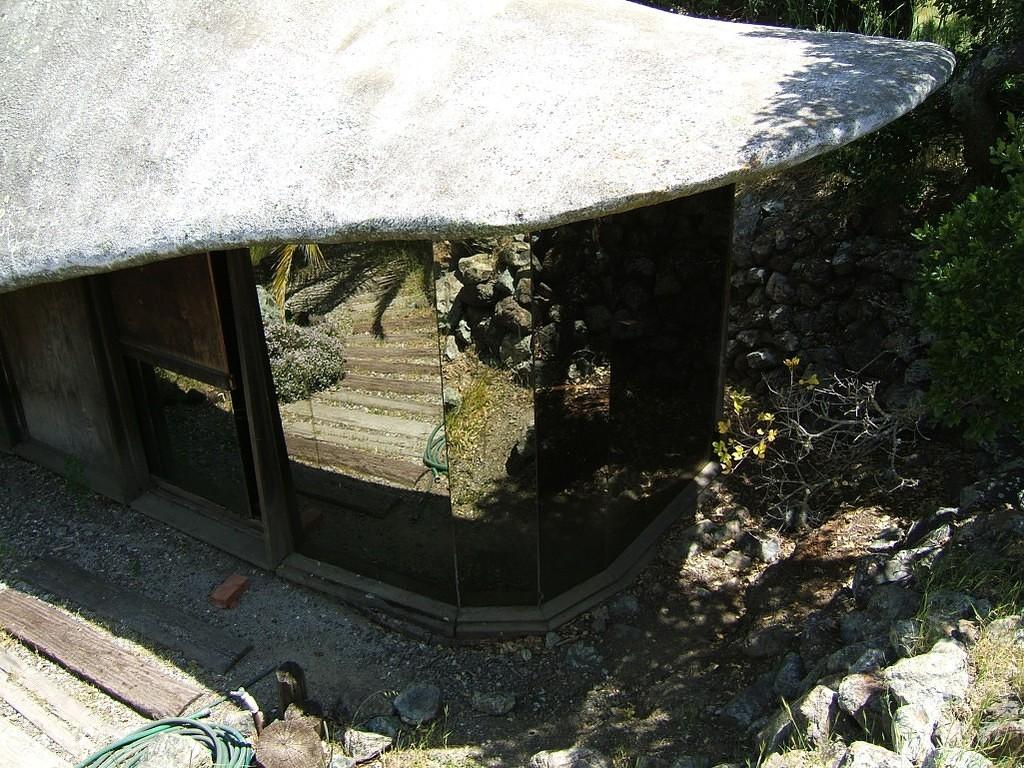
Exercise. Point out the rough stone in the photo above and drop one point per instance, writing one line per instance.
(812, 717)
(174, 749)
(804, 758)
(582, 656)
(870, 660)
(478, 268)
(691, 761)
(905, 636)
(494, 703)
(861, 695)
(512, 316)
(953, 757)
(365, 745)
(788, 683)
(930, 679)
(576, 757)
(447, 288)
(624, 607)
(913, 728)
(418, 704)
(737, 560)
(750, 703)
(890, 602)
(1008, 629)
(1005, 739)
(864, 755)
(386, 725)
(767, 641)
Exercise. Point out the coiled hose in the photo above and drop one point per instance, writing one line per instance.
(433, 454)
(227, 746)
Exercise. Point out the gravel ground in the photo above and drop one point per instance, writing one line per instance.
(647, 674)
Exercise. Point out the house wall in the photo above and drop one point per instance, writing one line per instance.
(60, 404)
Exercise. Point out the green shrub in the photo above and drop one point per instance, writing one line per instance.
(971, 300)
(303, 360)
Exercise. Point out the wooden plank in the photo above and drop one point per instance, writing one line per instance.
(376, 350)
(19, 750)
(55, 728)
(370, 365)
(432, 411)
(404, 473)
(92, 655)
(163, 624)
(373, 422)
(376, 442)
(70, 709)
(391, 384)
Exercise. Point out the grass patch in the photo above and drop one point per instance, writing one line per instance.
(465, 425)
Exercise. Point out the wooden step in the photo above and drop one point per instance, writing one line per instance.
(432, 412)
(399, 446)
(391, 384)
(93, 656)
(37, 712)
(406, 474)
(161, 623)
(370, 365)
(338, 415)
(422, 353)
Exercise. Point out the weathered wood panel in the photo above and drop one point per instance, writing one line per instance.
(94, 656)
(48, 337)
(158, 622)
(170, 307)
(70, 709)
(33, 710)
(19, 750)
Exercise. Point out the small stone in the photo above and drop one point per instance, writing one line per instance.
(365, 745)
(890, 602)
(930, 679)
(175, 749)
(769, 641)
(863, 755)
(624, 607)
(905, 637)
(913, 728)
(504, 285)
(576, 757)
(691, 761)
(341, 761)
(599, 619)
(861, 694)
(762, 359)
(512, 316)
(494, 703)
(451, 348)
(788, 683)
(870, 660)
(451, 398)
(477, 268)
(1009, 629)
(386, 725)
(582, 656)
(418, 704)
(750, 703)
(953, 757)
(1004, 739)
(552, 639)
(737, 560)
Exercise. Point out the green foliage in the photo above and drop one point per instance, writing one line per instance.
(303, 360)
(986, 21)
(971, 299)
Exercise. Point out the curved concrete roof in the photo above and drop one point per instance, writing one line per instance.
(136, 130)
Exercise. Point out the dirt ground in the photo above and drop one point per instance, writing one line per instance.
(645, 675)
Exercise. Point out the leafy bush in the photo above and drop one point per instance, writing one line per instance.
(303, 359)
(971, 300)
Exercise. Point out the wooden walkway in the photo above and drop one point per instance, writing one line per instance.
(62, 706)
(374, 424)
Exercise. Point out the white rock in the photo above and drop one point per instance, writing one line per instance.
(420, 118)
(931, 679)
(864, 755)
(575, 757)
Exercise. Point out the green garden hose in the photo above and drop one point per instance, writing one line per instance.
(433, 454)
(227, 746)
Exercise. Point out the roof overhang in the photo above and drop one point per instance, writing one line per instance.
(136, 131)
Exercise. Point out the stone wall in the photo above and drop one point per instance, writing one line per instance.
(808, 282)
